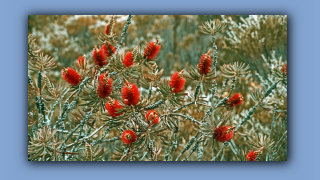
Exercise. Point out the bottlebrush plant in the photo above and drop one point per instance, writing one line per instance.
(115, 104)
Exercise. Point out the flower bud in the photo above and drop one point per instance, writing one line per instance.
(205, 63)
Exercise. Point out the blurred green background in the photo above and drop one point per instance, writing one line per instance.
(66, 37)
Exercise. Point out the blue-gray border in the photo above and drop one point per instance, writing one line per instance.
(303, 38)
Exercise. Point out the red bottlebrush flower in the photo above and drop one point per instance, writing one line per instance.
(251, 156)
(128, 59)
(177, 81)
(99, 57)
(152, 117)
(104, 86)
(71, 76)
(107, 29)
(152, 50)
(128, 137)
(284, 69)
(223, 133)
(112, 107)
(235, 100)
(108, 51)
(205, 62)
(81, 61)
(130, 94)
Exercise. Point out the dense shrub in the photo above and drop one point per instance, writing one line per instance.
(115, 103)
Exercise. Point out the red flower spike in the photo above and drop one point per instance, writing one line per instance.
(112, 106)
(99, 57)
(107, 29)
(130, 94)
(177, 81)
(251, 156)
(81, 61)
(71, 76)
(128, 137)
(205, 63)
(152, 117)
(152, 50)
(223, 133)
(104, 88)
(128, 59)
(284, 69)
(108, 51)
(235, 100)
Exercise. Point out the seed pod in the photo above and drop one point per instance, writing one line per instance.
(39, 80)
(135, 53)
(48, 83)
(197, 90)
(155, 105)
(111, 24)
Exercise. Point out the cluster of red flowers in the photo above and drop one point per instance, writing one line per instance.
(71, 76)
(152, 117)
(235, 100)
(152, 50)
(130, 91)
(223, 133)
(284, 69)
(177, 81)
(131, 94)
(128, 137)
(104, 86)
(205, 63)
(112, 106)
